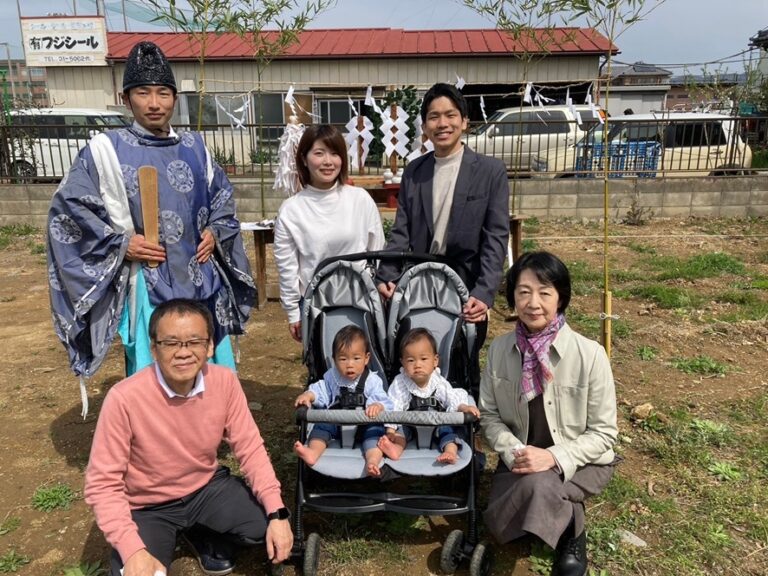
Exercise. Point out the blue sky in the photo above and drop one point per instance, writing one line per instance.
(677, 32)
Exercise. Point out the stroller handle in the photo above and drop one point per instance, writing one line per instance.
(386, 256)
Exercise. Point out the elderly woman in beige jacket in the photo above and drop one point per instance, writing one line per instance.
(548, 407)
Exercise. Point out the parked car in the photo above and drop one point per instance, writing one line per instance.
(670, 144)
(44, 142)
(534, 139)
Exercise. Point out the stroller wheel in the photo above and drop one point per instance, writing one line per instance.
(311, 555)
(452, 552)
(482, 560)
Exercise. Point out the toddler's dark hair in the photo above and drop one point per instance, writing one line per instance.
(415, 335)
(346, 336)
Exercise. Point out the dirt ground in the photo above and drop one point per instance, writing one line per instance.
(43, 439)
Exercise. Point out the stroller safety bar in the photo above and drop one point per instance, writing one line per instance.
(358, 417)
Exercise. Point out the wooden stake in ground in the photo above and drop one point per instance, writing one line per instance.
(149, 206)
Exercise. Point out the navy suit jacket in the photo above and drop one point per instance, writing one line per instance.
(478, 226)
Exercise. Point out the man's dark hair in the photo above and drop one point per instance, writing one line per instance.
(180, 307)
(346, 336)
(549, 269)
(414, 335)
(441, 90)
(331, 137)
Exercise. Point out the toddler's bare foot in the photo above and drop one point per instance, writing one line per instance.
(373, 458)
(306, 453)
(450, 455)
(372, 469)
(390, 449)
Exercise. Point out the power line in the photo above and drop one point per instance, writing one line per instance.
(723, 60)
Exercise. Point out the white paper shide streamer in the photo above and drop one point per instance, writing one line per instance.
(395, 132)
(286, 174)
(358, 140)
(419, 144)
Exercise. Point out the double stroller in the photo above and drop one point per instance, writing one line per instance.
(428, 295)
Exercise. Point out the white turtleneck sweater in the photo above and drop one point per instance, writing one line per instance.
(316, 224)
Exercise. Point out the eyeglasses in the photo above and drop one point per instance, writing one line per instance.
(176, 345)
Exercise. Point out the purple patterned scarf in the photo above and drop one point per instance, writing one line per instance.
(537, 369)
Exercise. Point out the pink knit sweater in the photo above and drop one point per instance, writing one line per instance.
(149, 449)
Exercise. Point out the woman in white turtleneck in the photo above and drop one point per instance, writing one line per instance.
(327, 218)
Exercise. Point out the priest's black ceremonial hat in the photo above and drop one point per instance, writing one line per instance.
(147, 66)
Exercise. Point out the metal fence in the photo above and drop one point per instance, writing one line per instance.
(663, 147)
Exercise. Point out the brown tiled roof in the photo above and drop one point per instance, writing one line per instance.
(373, 43)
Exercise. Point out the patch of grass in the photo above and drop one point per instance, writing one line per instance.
(11, 561)
(48, 498)
(9, 525)
(340, 552)
(724, 471)
(712, 433)
(641, 248)
(702, 364)
(759, 283)
(405, 524)
(531, 225)
(647, 353)
(668, 297)
(37, 248)
(529, 245)
(541, 559)
(9, 233)
(708, 265)
(86, 569)
(740, 297)
(756, 311)
(584, 278)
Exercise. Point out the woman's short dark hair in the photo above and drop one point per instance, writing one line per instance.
(441, 90)
(180, 307)
(415, 335)
(346, 336)
(329, 136)
(549, 269)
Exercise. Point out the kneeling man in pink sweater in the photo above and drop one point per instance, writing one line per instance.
(153, 472)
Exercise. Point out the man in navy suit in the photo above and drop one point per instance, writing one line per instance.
(453, 203)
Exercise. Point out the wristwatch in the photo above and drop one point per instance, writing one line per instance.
(279, 514)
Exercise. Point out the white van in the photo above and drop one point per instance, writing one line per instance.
(44, 142)
(534, 139)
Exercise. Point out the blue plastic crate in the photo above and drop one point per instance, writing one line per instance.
(639, 159)
(590, 160)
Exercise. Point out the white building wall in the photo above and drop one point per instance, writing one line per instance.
(98, 87)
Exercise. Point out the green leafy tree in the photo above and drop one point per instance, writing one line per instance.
(531, 25)
(202, 19)
(288, 18)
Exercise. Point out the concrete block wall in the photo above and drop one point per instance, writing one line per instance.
(738, 197)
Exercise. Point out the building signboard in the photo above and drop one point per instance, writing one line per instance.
(65, 41)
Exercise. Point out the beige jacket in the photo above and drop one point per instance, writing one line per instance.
(580, 404)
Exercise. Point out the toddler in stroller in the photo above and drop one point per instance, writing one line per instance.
(348, 385)
(429, 295)
(420, 386)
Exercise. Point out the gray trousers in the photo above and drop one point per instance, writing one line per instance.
(225, 506)
(541, 504)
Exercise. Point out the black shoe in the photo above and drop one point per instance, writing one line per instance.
(571, 557)
(214, 560)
